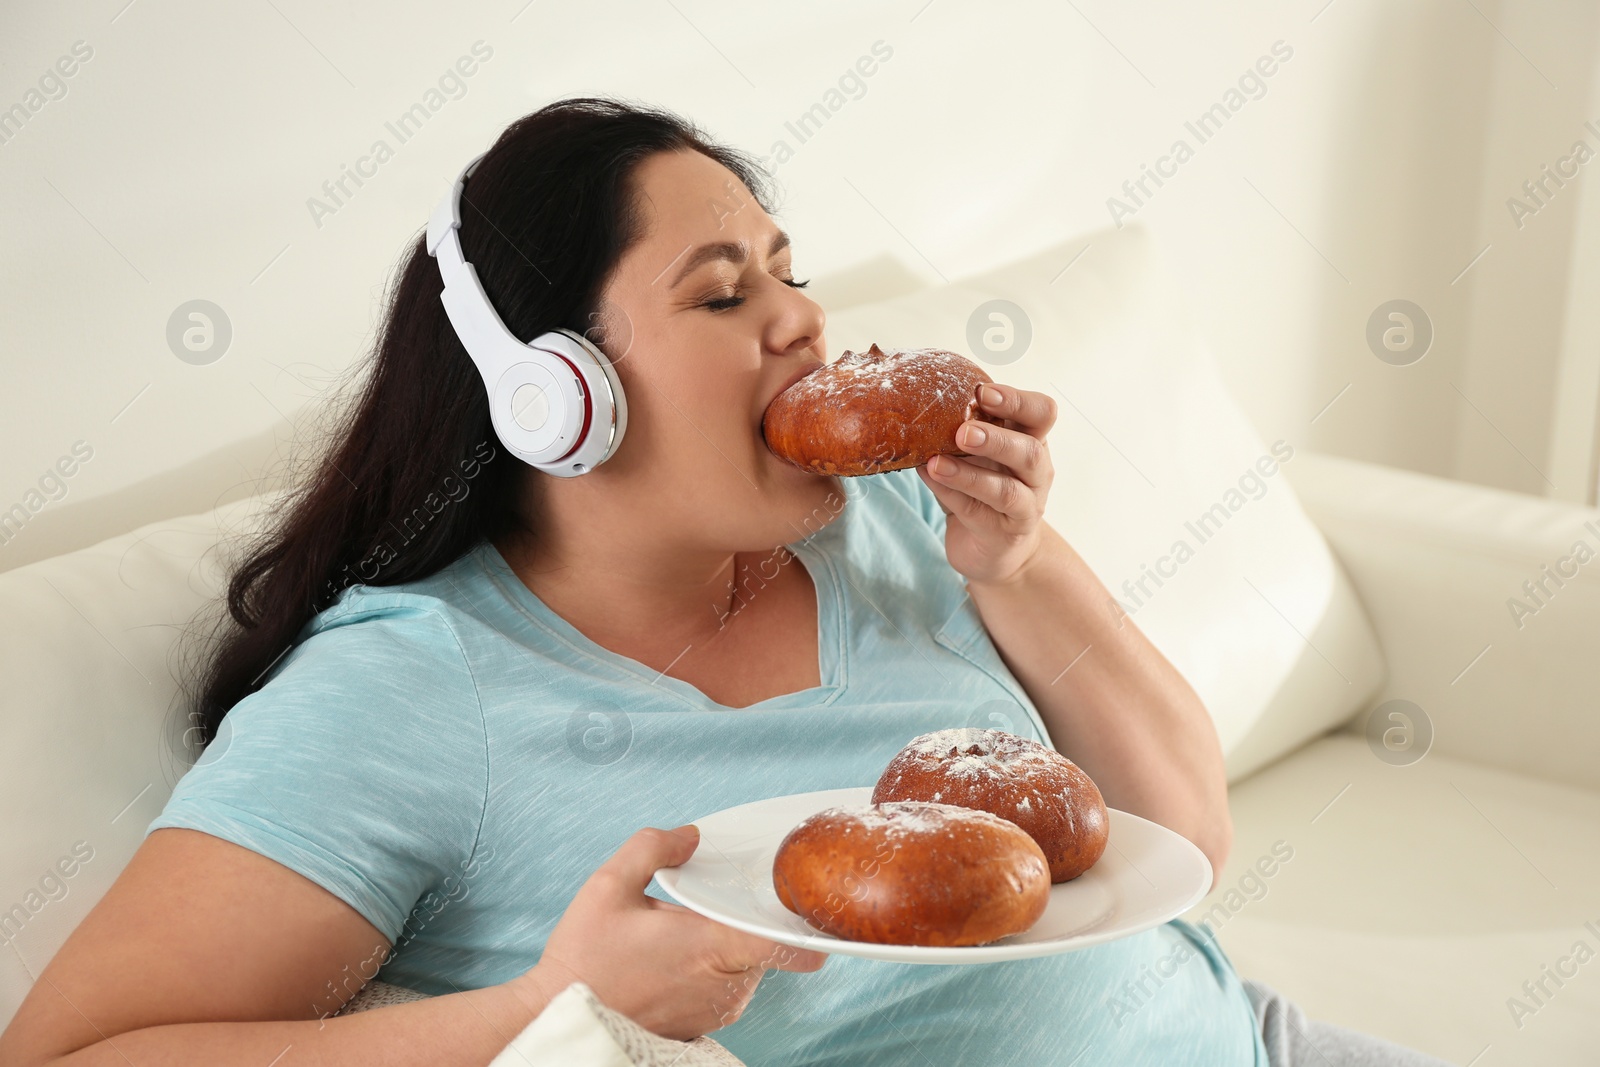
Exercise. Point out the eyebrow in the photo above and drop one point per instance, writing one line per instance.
(732, 251)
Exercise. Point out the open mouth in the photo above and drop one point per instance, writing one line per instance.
(802, 372)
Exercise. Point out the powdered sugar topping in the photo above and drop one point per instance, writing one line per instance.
(898, 370)
(975, 753)
(898, 818)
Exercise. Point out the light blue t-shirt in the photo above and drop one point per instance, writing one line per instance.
(454, 759)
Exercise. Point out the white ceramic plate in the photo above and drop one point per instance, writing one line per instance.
(1147, 875)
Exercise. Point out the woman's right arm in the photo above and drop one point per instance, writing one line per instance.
(204, 951)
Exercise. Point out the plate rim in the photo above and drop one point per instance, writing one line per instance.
(667, 877)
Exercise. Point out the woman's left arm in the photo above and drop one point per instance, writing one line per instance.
(1110, 699)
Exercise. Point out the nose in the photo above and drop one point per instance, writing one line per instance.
(798, 325)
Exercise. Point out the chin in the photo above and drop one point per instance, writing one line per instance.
(810, 501)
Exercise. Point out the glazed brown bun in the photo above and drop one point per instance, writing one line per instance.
(1016, 778)
(875, 411)
(912, 873)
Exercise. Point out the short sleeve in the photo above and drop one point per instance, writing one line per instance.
(361, 764)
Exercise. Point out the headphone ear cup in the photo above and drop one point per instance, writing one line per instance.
(594, 383)
(610, 402)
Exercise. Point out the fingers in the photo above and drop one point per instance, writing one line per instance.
(1022, 454)
(1034, 413)
(632, 866)
(743, 978)
(737, 951)
(648, 850)
(1008, 496)
(810, 961)
(799, 959)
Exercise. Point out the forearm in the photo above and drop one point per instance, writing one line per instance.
(1111, 701)
(467, 1028)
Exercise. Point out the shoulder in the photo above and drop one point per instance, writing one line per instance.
(427, 614)
(374, 692)
(360, 762)
(377, 649)
(376, 631)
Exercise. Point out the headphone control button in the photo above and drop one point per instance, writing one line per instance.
(530, 408)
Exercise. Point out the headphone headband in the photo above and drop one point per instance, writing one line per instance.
(555, 401)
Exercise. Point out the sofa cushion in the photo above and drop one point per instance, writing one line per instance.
(1483, 600)
(89, 650)
(1162, 484)
(1416, 900)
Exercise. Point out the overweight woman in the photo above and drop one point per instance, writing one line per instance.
(462, 709)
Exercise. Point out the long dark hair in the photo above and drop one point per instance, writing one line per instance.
(545, 218)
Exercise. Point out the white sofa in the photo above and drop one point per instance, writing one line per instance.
(1421, 892)
(1419, 903)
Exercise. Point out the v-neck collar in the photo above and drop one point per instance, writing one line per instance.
(832, 624)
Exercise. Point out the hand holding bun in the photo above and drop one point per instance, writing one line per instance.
(912, 874)
(875, 411)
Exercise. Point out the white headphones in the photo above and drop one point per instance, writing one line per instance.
(556, 402)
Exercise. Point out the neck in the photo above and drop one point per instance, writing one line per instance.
(656, 598)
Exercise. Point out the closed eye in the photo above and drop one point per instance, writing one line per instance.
(726, 303)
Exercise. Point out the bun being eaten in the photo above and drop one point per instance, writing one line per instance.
(875, 411)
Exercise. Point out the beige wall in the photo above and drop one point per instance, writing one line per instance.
(1375, 165)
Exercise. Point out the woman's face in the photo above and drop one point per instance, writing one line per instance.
(705, 329)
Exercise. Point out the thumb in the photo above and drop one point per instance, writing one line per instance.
(648, 850)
